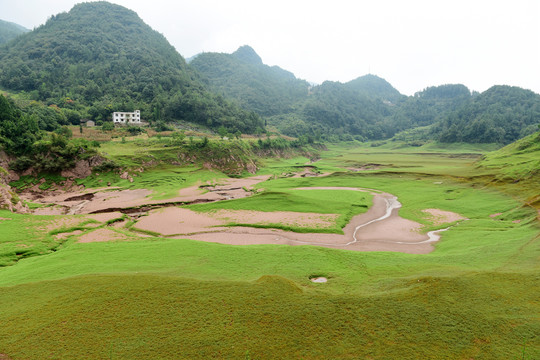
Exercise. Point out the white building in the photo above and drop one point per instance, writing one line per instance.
(127, 118)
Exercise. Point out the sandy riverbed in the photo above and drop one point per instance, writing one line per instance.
(379, 229)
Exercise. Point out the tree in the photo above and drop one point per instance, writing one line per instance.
(107, 126)
(222, 131)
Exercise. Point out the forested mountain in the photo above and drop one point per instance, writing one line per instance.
(9, 30)
(335, 109)
(100, 58)
(369, 108)
(332, 110)
(267, 90)
(501, 114)
(430, 105)
(375, 87)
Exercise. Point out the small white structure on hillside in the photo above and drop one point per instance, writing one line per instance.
(127, 118)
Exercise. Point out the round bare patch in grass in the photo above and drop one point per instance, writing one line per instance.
(318, 279)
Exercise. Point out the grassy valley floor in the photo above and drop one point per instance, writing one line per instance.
(146, 295)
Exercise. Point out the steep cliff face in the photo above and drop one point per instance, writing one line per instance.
(8, 198)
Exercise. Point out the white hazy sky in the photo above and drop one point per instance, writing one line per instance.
(412, 44)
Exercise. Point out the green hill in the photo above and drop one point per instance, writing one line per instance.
(374, 86)
(501, 114)
(242, 76)
(430, 106)
(100, 57)
(516, 162)
(9, 31)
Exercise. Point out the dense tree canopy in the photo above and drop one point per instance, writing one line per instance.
(501, 114)
(18, 131)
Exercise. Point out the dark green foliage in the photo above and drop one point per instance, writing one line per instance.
(104, 58)
(501, 114)
(108, 165)
(18, 131)
(107, 126)
(9, 31)
(20, 136)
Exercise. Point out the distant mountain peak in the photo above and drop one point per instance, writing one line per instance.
(373, 85)
(248, 55)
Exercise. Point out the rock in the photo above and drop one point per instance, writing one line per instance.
(81, 170)
(8, 199)
(251, 167)
(21, 208)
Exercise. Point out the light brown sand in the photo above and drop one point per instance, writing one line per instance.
(104, 217)
(173, 220)
(390, 234)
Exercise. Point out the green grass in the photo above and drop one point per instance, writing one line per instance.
(23, 236)
(46, 181)
(517, 161)
(474, 297)
(148, 316)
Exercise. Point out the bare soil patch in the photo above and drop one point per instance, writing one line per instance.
(174, 220)
(64, 222)
(179, 221)
(104, 217)
(102, 235)
(439, 217)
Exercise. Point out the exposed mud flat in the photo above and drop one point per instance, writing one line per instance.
(139, 200)
(379, 229)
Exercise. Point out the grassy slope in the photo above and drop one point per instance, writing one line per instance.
(516, 167)
(474, 297)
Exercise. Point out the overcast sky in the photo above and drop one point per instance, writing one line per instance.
(412, 44)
